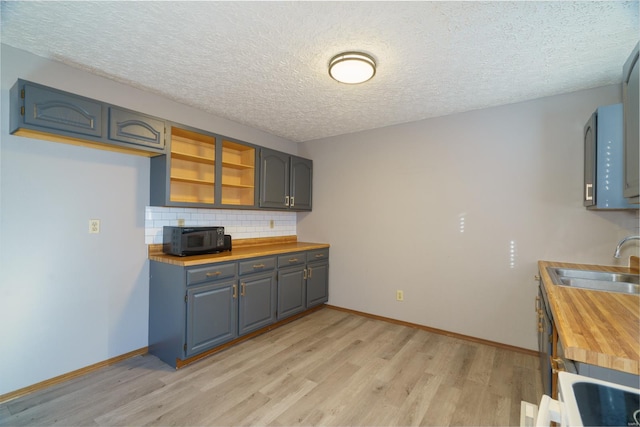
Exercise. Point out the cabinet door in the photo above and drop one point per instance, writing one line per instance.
(301, 183)
(317, 283)
(274, 179)
(211, 316)
(134, 128)
(291, 291)
(52, 110)
(589, 161)
(630, 90)
(257, 302)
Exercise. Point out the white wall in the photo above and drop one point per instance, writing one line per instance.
(69, 299)
(456, 211)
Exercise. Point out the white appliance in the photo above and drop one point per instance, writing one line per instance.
(584, 401)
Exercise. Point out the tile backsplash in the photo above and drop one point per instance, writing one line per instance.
(240, 224)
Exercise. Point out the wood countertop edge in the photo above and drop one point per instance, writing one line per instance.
(245, 252)
(602, 340)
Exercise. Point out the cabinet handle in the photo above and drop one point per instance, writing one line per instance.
(293, 202)
(235, 292)
(537, 309)
(557, 365)
(258, 266)
(304, 274)
(536, 277)
(310, 271)
(216, 273)
(243, 287)
(588, 196)
(293, 259)
(286, 200)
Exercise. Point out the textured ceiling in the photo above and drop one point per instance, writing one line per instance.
(264, 64)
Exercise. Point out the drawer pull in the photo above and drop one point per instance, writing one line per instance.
(319, 256)
(293, 259)
(258, 266)
(243, 287)
(235, 292)
(216, 273)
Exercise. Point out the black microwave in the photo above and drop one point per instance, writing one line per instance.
(184, 241)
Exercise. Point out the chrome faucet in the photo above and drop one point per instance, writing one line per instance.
(622, 242)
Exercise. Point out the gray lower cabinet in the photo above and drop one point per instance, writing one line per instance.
(292, 275)
(194, 309)
(211, 315)
(257, 302)
(191, 309)
(317, 291)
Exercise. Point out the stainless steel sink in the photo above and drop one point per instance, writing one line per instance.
(595, 280)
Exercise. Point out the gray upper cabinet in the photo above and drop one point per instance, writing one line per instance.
(135, 128)
(50, 110)
(300, 183)
(630, 97)
(41, 112)
(285, 181)
(603, 160)
(274, 179)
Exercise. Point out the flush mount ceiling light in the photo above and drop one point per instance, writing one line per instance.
(352, 67)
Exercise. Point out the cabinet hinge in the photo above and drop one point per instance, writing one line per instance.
(22, 93)
(185, 298)
(184, 347)
(22, 111)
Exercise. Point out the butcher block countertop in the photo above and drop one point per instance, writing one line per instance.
(596, 327)
(242, 249)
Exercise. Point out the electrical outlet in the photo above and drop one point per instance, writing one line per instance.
(399, 295)
(180, 222)
(271, 224)
(94, 226)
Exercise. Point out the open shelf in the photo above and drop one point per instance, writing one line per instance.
(192, 176)
(238, 174)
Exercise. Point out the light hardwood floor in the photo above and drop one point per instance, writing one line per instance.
(329, 368)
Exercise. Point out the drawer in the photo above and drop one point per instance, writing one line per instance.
(318, 255)
(287, 260)
(210, 272)
(256, 265)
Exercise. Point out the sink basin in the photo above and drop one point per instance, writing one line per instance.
(596, 280)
